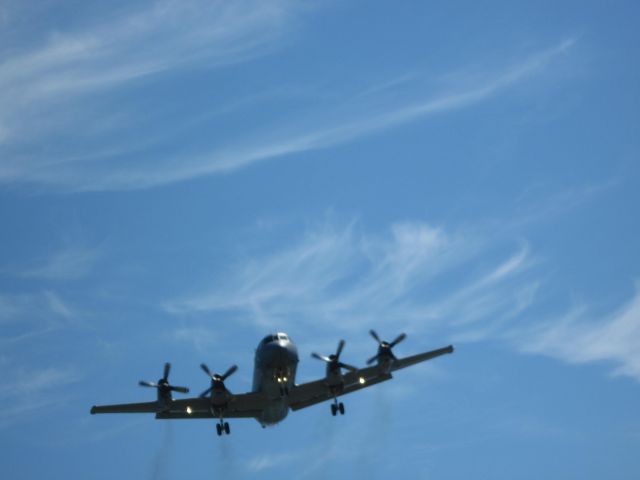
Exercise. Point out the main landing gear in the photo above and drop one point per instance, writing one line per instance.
(222, 427)
(337, 407)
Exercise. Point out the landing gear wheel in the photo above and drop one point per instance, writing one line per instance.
(227, 430)
(219, 429)
(341, 408)
(334, 409)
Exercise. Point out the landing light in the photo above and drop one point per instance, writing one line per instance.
(189, 410)
(361, 380)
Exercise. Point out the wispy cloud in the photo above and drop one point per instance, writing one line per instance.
(25, 317)
(35, 382)
(578, 338)
(342, 279)
(201, 338)
(67, 264)
(348, 280)
(365, 118)
(32, 307)
(26, 390)
(55, 89)
(269, 461)
(162, 36)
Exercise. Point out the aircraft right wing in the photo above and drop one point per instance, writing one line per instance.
(245, 405)
(145, 407)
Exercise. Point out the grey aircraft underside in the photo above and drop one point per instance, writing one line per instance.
(274, 389)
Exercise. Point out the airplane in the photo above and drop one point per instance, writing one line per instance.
(274, 390)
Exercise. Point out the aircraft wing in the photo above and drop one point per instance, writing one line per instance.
(246, 405)
(420, 357)
(311, 393)
(145, 407)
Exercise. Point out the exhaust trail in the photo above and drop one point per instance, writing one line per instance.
(161, 461)
(323, 436)
(374, 441)
(225, 460)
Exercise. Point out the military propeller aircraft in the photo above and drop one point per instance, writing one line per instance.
(274, 390)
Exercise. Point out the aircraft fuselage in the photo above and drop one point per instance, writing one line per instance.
(274, 374)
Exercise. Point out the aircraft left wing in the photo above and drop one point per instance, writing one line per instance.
(311, 393)
(420, 357)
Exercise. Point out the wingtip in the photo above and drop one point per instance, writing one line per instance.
(450, 349)
(93, 410)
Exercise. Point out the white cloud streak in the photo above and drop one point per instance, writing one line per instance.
(201, 338)
(67, 264)
(33, 383)
(26, 391)
(166, 35)
(79, 175)
(25, 317)
(346, 280)
(269, 461)
(53, 91)
(30, 307)
(576, 338)
(343, 280)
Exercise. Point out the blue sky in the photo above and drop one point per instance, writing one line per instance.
(178, 179)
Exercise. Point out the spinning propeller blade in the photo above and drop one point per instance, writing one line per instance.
(384, 347)
(163, 384)
(334, 360)
(217, 381)
(398, 339)
(143, 383)
(229, 372)
(321, 357)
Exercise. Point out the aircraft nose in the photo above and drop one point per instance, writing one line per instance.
(276, 354)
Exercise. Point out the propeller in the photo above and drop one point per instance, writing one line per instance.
(384, 348)
(163, 384)
(217, 381)
(333, 360)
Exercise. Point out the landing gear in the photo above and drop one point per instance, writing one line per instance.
(222, 427)
(337, 407)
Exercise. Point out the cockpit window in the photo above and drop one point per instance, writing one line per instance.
(274, 338)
